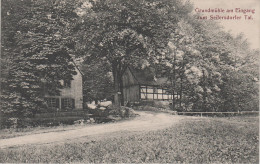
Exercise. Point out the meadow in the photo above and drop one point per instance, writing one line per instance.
(200, 140)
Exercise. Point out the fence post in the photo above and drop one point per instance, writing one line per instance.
(200, 114)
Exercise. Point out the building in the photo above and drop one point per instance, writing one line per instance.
(71, 96)
(139, 85)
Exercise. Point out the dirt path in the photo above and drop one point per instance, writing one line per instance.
(145, 122)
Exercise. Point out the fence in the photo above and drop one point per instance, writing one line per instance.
(218, 113)
(62, 114)
(48, 118)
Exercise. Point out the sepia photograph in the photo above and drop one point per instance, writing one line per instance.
(129, 81)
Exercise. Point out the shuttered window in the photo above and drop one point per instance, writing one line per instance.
(52, 102)
(67, 103)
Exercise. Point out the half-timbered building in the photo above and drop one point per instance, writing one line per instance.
(139, 85)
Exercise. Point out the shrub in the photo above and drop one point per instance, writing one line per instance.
(114, 110)
(122, 111)
(99, 112)
(127, 112)
(81, 121)
(162, 104)
(150, 108)
(11, 122)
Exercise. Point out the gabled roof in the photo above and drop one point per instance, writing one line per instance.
(77, 67)
(146, 77)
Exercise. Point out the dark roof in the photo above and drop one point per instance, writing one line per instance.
(146, 77)
(77, 67)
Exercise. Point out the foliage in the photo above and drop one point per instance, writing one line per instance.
(112, 112)
(37, 46)
(116, 31)
(97, 81)
(206, 140)
(209, 69)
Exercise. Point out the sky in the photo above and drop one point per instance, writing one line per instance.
(250, 28)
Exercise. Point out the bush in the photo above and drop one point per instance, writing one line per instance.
(127, 112)
(150, 108)
(11, 122)
(99, 112)
(106, 114)
(114, 110)
(162, 104)
(152, 105)
(55, 121)
(122, 111)
(50, 110)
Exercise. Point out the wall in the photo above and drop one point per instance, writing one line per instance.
(131, 93)
(128, 78)
(75, 91)
(131, 87)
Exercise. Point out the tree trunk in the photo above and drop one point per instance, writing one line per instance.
(121, 90)
(181, 92)
(204, 92)
(181, 76)
(117, 70)
(174, 81)
(116, 87)
(173, 99)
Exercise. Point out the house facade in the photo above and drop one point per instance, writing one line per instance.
(71, 96)
(139, 86)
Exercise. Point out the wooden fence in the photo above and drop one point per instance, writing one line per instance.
(218, 113)
(48, 118)
(62, 114)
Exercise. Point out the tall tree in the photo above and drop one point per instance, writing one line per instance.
(97, 81)
(39, 48)
(123, 32)
(239, 89)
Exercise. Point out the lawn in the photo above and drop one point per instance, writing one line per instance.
(12, 132)
(201, 140)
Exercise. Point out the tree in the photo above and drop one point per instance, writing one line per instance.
(39, 49)
(97, 81)
(226, 67)
(181, 48)
(123, 32)
(202, 58)
(239, 89)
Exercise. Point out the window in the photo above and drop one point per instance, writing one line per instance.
(150, 90)
(143, 92)
(160, 97)
(149, 96)
(155, 93)
(52, 102)
(160, 91)
(67, 83)
(143, 95)
(170, 96)
(67, 103)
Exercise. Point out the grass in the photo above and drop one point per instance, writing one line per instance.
(13, 132)
(201, 140)
(16, 132)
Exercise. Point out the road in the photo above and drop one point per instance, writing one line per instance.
(147, 121)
